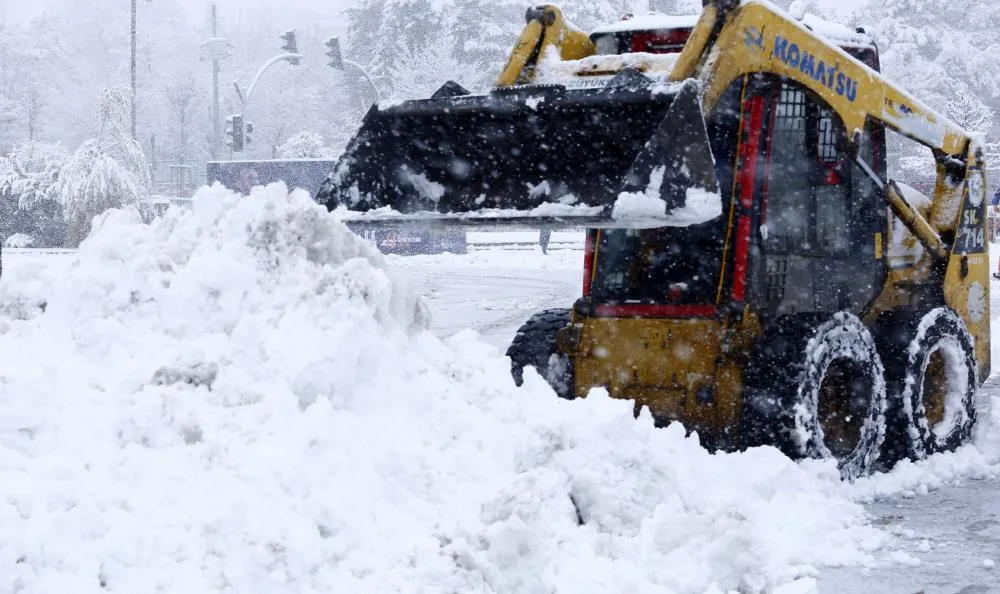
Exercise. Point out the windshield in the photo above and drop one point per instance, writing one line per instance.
(666, 266)
(673, 265)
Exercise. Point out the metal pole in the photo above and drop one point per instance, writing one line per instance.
(244, 95)
(215, 90)
(263, 69)
(371, 83)
(133, 69)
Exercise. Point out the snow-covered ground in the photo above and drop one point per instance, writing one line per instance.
(944, 517)
(245, 398)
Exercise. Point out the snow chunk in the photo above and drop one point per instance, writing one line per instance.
(427, 189)
(797, 10)
(904, 247)
(597, 71)
(565, 206)
(806, 585)
(652, 21)
(700, 205)
(914, 197)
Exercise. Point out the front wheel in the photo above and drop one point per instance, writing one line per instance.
(534, 345)
(815, 389)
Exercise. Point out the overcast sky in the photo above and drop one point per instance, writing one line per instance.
(24, 10)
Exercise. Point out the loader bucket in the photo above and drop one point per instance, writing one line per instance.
(531, 152)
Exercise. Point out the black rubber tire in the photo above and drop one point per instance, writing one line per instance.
(906, 340)
(534, 345)
(783, 381)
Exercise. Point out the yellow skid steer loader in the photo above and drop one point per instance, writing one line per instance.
(750, 270)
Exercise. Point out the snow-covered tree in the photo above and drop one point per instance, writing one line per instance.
(29, 197)
(944, 52)
(106, 172)
(420, 72)
(483, 31)
(29, 174)
(968, 111)
(180, 96)
(305, 145)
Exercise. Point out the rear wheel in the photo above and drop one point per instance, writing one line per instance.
(534, 345)
(815, 389)
(931, 376)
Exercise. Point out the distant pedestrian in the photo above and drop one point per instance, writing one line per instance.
(543, 239)
(994, 216)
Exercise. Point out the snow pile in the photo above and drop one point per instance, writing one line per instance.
(977, 460)
(241, 397)
(19, 240)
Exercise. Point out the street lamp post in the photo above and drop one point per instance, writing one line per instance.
(215, 49)
(132, 39)
(215, 87)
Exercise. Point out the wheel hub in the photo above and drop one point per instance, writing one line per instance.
(843, 405)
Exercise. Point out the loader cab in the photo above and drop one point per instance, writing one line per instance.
(801, 229)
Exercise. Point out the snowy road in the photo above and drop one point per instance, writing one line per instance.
(494, 292)
(954, 544)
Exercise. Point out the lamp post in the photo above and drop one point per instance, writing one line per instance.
(215, 49)
(132, 63)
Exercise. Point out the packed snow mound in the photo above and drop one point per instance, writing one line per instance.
(241, 397)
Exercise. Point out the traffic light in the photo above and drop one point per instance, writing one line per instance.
(333, 53)
(290, 47)
(235, 132)
(248, 131)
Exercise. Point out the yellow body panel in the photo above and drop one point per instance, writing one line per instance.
(757, 39)
(550, 29)
(967, 279)
(662, 363)
(658, 363)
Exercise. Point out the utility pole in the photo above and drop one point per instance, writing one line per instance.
(215, 88)
(133, 69)
(215, 49)
(337, 61)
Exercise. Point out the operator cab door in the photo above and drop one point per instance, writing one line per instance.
(815, 242)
